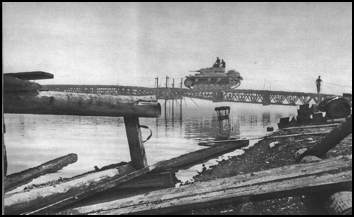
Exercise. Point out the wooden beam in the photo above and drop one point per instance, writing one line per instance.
(136, 146)
(199, 156)
(63, 103)
(298, 179)
(21, 178)
(33, 75)
(50, 198)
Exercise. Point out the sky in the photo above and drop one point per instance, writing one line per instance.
(275, 46)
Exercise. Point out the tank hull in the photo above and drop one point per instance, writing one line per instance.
(213, 78)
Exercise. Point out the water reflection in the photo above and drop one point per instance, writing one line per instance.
(98, 141)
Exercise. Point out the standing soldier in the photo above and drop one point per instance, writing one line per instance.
(217, 62)
(223, 64)
(318, 85)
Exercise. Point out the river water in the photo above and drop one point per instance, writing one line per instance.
(98, 141)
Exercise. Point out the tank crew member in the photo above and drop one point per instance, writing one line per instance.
(223, 64)
(217, 62)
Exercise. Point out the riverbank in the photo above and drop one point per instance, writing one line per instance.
(266, 154)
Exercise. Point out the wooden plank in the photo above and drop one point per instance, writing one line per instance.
(151, 180)
(136, 146)
(298, 179)
(33, 75)
(49, 198)
(298, 134)
(311, 126)
(62, 103)
(21, 178)
(216, 142)
(198, 156)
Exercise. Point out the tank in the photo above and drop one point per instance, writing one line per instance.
(214, 77)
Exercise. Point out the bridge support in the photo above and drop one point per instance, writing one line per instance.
(266, 99)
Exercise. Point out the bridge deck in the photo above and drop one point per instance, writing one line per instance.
(264, 97)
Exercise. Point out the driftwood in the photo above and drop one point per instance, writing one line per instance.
(198, 156)
(333, 174)
(21, 178)
(49, 198)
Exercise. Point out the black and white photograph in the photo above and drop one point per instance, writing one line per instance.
(177, 108)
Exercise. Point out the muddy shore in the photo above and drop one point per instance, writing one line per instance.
(266, 154)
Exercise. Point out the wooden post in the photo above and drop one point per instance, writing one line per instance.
(167, 81)
(3, 165)
(136, 147)
(157, 87)
(180, 104)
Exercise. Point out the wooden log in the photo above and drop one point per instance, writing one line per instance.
(21, 178)
(51, 198)
(63, 103)
(136, 146)
(298, 179)
(198, 156)
(331, 139)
